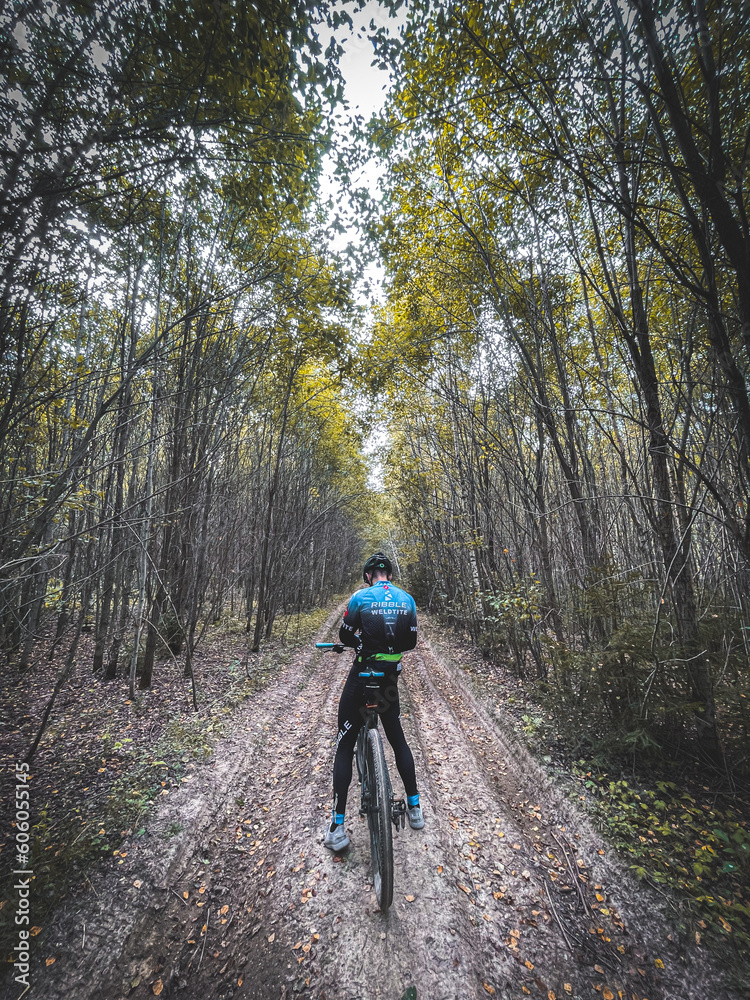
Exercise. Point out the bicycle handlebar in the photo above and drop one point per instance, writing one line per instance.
(337, 647)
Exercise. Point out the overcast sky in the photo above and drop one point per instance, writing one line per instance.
(365, 88)
(365, 83)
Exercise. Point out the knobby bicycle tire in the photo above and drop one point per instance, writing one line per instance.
(379, 820)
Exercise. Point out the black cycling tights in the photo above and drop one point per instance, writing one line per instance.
(352, 713)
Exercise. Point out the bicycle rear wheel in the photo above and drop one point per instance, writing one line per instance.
(379, 820)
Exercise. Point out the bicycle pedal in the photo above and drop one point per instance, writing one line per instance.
(398, 813)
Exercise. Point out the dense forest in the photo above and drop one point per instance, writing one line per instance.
(177, 431)
(567, 240)
(557, 365)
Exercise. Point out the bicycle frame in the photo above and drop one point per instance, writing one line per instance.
(372, 692)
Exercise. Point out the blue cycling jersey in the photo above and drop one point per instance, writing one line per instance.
(385, 618)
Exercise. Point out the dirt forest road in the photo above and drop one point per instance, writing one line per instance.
(507, 891)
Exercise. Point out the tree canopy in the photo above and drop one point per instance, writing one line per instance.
(558, 364)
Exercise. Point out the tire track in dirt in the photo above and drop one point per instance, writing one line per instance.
(494, 862)
(245, 902)
(354, 950)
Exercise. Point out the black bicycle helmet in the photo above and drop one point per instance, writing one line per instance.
(377, 561)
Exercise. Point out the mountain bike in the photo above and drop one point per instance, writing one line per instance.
(376, 794)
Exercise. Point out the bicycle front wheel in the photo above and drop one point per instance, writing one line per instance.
(379, 820)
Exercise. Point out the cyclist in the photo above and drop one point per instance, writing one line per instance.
(380, 623)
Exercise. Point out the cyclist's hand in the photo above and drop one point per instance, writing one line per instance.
(338, 647)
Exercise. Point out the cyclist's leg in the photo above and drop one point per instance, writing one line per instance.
(391, 719)
(349, 721)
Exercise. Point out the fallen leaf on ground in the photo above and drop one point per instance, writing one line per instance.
(409, 899)
(157, 987)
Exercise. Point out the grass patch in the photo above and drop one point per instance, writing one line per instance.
(678, 838)
(90, 810)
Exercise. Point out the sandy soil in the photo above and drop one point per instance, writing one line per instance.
(507, 891)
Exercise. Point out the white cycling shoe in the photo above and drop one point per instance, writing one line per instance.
(416, 818)
(336, 839)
